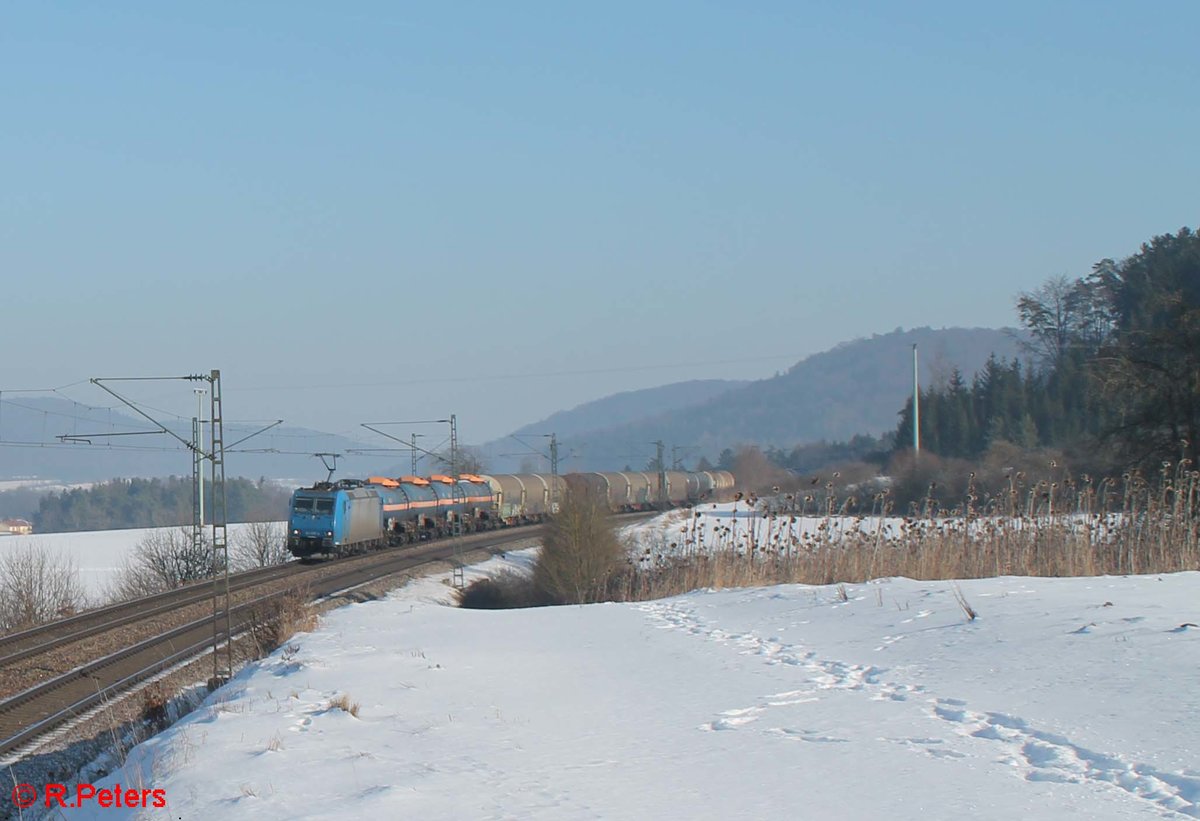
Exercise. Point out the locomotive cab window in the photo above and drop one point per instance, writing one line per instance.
(303, 504)
(324, 505)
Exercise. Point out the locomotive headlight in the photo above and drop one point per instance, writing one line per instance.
(295, 532)
(328, 532)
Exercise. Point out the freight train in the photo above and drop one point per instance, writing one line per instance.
(356, 515)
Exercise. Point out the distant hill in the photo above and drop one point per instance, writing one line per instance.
(617, 409)
(855, 387)
(629, 406)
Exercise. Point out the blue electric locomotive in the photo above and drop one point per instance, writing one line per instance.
(329, 519)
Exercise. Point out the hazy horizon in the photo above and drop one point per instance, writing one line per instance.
(398, 212)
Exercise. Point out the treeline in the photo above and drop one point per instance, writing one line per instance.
(806, 458)
(1113, 376)
(19, 502)
(810, 456)
(125, 503)
(1009, 402)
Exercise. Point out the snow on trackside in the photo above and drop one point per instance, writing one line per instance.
(1065, 698)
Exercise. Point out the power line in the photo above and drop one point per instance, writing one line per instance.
(44, 390)
(70, 416)
(78, 445)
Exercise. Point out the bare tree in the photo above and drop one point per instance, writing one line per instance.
(37, 586)
(163, 560)
(754, 471)
(468, 460)
(259, 544)
(1062, 314)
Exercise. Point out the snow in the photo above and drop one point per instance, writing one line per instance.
(736, 526)
(1065, 698)
(98, 555)
(42, 485)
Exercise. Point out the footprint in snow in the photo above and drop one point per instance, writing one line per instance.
(1043, 756)
(929, 746)
(808, 735)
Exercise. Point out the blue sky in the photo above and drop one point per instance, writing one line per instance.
(374, 211)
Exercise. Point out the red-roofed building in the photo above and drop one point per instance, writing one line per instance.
(15, 527)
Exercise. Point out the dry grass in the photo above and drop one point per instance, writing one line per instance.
(1050, 527)
(273, 623)
(344, 704)
(967, 609)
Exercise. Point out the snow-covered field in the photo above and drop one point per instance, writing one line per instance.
(738, 527)
(98, 555)
(44, 485)
(1065, 698)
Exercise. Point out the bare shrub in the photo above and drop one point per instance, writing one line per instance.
(37, 586)
(924, 485)
(755, 472)
(273, 622)
(580, 551)
(258, 544)
(930, 484)
(505, 590)
(853, 477)
(155, 701)
(163, 560)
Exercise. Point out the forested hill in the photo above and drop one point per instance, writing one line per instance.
(616, 409)
(855, 387)
(629, 406)
(125, 503)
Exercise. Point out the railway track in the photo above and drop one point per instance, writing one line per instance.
(37, 710)
(17, 647)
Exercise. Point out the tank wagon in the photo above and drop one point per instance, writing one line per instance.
(526, 497)
(642, 490)
(355, 515)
